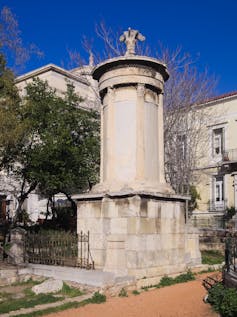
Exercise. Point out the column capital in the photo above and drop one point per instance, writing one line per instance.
(141, 90)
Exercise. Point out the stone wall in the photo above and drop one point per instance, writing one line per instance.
(212, 239)
(138, 235)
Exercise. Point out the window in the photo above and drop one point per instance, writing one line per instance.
(182, 146)
(218, 192)
(218, 141)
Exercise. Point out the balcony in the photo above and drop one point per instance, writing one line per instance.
(217, 206)
(229, 161)
(229, 156)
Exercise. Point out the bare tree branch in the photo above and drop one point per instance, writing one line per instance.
(11, 40)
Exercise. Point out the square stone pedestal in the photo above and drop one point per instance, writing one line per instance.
(138, 233)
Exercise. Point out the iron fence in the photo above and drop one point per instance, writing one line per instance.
(59, 248)
(231, 254)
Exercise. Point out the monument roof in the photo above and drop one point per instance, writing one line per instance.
(138, 60)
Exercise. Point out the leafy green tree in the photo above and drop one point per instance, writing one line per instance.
(11, 128)
(60, 148)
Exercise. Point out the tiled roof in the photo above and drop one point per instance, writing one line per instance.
(223, 96)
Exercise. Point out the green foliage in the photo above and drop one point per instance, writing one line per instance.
(182, 278)
(11, 128)
(167, 281)
(30, 301)
(194, 197)
(186, 277)
(223, 300)
(123, 293)
(97, 298)
(66, 157)
(230, 212)
(64, 218)
(59, 149)
(212, 257)
(56, 309)
(135, 292)
(70, 291)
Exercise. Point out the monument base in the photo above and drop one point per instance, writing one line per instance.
(138, 234)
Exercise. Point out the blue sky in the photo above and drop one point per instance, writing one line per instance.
(207, 29)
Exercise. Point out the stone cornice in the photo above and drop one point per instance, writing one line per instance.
(123, 61)
(122, 194)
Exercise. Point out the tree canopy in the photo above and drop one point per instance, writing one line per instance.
(59, 149)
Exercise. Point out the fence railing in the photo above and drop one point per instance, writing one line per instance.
(59, 248)
(231, 254)
(217, 206)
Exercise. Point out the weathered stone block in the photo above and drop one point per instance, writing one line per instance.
(118, 225)
(133, 225)
(109, 208)
(49, 286)
(147, 226)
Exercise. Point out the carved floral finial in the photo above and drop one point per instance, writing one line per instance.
(91, 59)
(130, 37)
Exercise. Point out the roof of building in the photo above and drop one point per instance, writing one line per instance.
(223, 96)
(50, 67)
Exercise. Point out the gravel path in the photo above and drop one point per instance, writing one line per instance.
(180, 300)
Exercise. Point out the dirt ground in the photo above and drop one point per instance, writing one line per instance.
(180, 300)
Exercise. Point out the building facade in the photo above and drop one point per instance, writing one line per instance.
(216, 172)
(57, 78)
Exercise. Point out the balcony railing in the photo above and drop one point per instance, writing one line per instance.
(229, 155)
(217, 205)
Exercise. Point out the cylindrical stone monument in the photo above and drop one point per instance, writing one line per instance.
(136, 223)
(132, 143)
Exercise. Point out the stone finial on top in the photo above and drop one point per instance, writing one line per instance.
(130, 37)
(91, 59)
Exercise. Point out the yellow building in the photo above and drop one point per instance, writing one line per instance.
(216, 172)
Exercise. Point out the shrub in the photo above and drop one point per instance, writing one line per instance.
(123, 293)
(212, 257)
(185, 277)
(98, 298)
(135, 292)
(166, 281)
(182, 278)
(223, 300)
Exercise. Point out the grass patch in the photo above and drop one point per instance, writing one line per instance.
(135, 292)
(69, 291)
(54, 309)
(97, 298)
(30, 299)
(182, 278)
(27, 302)
(167, 281)
(212, 257)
